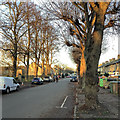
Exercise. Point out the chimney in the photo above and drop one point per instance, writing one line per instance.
(110, 60)
(119, 56)
(103, 63)
(113, 59)
(106, 62)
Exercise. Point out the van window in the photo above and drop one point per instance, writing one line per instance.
(14, 81)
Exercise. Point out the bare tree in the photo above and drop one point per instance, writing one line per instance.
(88, 27)
(12, 28)
(29, 21)
(76, 55)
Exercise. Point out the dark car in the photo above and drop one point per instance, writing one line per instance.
(38, 81)
(73, 79)
(54, 78)
(68, 76)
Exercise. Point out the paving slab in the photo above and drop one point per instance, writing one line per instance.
(109, 105)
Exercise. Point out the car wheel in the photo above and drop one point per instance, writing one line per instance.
(8, 90)
(17, 89)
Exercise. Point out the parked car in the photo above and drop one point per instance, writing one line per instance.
(8, 84)
(73, 79)
(46, 79)
(38, 81)
(54, 78)
(68, 76)
(51, 79)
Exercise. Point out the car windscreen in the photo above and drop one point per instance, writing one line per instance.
(41, 79)
(36, 79)
(46, 77)
(74, 76)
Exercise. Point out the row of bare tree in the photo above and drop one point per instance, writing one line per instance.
(86, 22)
(26, 35)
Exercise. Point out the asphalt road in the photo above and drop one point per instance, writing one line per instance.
(53, 100)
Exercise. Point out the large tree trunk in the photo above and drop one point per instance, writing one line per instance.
(37, 71)
(15, 60)
(36, 66)
(28, 53)
(27, 64)
(28, 47)
(47, 58)
(43, 71)
(82, 70)
(92, 55)
(78, 70)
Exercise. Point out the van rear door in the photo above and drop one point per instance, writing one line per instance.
(1, 83)
(12, 84)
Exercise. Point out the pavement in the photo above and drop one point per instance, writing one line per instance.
(109, 107)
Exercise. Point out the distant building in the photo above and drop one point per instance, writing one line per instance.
(21, 70)
(112, 66)
(32, 69)
(57, 70)
(8, 70)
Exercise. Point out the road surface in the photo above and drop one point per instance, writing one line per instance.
(53, 100)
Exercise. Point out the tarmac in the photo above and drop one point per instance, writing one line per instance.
(109, 106)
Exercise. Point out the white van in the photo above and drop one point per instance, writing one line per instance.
(8, 84)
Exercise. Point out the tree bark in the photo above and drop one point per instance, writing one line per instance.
(28, 48)
(27, 64)
(82, 69)
(15, 60)
(28, 54)
(79, 80)
(92, 55)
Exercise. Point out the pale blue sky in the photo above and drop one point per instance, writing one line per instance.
(111, 52)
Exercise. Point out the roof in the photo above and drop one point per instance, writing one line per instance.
(6, 77)
(110, 63)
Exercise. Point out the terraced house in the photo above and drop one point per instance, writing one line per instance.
(112, 66)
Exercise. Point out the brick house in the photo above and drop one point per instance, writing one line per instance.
(112, 66)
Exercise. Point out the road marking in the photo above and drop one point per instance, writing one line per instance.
(64, 102)
(60, 107)
(75, 112)
(75, 108)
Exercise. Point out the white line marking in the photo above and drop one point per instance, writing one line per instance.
(75, 112)
(64, 102)
(60, 107)
(75, 108)
(76, 100)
